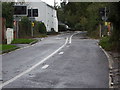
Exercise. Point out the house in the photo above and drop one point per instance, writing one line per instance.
(46, 14)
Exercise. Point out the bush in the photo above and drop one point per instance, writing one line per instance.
(41, 28)
(78, 26)
(105, 43)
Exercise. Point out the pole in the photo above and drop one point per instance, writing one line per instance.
(100, 31)
(17, 28)
(104, 33)
(31, 22)
(105, 14)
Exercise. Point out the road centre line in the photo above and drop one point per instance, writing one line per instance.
(70, 41)
(33, 67)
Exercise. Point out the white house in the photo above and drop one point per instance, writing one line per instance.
(46, 13)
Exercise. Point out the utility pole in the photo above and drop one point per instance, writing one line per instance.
(105, 20)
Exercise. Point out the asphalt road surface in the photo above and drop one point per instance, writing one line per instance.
(68, 60)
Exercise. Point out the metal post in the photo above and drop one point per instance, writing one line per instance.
(104, 33)
(105, 14)
(17, 28)
(100, 31)
(31, 22)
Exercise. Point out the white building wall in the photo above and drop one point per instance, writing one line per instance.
(46, 14)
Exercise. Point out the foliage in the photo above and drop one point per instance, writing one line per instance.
(24, 27)
(72, 13)
(78, 26)
(105, 43)
(7, 13)
(115, 18)
(40, 27)
(22, 41)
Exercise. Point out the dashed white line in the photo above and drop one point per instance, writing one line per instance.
(61, 53)
(45, 66)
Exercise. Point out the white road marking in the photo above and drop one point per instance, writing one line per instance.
(70, 41)
(33, 67)
(61, 53)
(45, 66)
(110, 65)
(58, 38)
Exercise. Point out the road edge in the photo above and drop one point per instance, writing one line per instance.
(110, 61)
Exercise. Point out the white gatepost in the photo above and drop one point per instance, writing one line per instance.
(9, 35)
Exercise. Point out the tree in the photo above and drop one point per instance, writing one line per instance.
(7, 13)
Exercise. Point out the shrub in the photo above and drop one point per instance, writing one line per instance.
(105, 43)
(78, 26)
(41, 28)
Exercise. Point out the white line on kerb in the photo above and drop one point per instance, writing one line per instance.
(33, 67)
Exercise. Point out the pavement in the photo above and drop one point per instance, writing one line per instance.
(56, 63)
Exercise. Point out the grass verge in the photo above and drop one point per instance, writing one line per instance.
(7, 48)
(23, 41)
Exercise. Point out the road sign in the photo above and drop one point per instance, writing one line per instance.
(104, 18)
(31, 18)
(33, 24)
(20, 10)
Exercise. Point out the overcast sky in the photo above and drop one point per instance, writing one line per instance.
(51, 2)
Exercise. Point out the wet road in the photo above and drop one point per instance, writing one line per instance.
(68, 60)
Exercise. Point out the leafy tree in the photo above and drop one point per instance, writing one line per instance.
(7, 13)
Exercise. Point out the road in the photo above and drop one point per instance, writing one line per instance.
(68, 60)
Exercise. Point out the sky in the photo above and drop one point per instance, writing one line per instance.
(51, 2)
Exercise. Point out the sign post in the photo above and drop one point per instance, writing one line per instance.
(31, 22)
